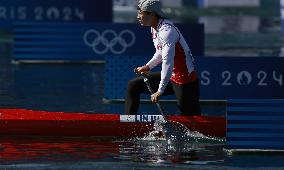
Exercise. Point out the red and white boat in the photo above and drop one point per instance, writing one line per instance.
(43, 123)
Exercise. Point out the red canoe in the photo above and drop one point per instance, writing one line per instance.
(29, 122)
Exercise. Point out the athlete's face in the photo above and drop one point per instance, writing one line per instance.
(145, 18)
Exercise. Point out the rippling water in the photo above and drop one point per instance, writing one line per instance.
(98, 153)
(48, 150)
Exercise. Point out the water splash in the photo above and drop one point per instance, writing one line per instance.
(177, 133)
(173, 142)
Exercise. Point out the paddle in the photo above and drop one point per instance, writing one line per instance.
(146, 81)
(172, 130)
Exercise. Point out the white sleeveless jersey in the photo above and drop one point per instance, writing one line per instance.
(174, 54)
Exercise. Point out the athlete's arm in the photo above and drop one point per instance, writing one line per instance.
(156, 60)
(169, 37)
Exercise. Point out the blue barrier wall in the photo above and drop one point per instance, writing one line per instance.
(255, 124)
(90, 41)
(220, 77)
(54, 11)
(75, 41)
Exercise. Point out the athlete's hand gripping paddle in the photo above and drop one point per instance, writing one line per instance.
(161, 110)
(172, 130)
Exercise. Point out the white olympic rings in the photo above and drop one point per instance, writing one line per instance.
(109, 40)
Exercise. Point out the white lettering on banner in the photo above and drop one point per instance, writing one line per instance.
(141, 118)
(262, 75)
(19, 13)
(205, 80)
(42, 13)
(244, 78)
(109, 41)
(227, 76)
(53, 13)
(279, 79)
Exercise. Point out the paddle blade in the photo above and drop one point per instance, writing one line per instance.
(177, 133)
(172, 131)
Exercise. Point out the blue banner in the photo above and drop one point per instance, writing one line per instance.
(220, 77)
(90, 41)
(239, 77)
(55, 11)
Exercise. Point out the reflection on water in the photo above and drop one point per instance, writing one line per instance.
(15, 150)
(164, 153)
(96, 153)
(21, 149)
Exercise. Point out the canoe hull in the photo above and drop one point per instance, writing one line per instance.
(42, 123)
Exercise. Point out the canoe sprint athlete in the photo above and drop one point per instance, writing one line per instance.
(178, 75)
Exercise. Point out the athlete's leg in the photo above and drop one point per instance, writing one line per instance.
(188, 97)
(137, 86)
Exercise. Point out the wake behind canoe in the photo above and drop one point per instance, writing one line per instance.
(42, 123)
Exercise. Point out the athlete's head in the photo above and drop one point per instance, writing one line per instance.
(149, 11)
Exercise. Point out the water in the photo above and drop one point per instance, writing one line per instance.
(98, 153)
(145, 152)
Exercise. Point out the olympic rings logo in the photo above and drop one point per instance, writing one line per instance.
(109, 40)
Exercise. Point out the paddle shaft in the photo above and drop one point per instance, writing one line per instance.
(161, 110)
